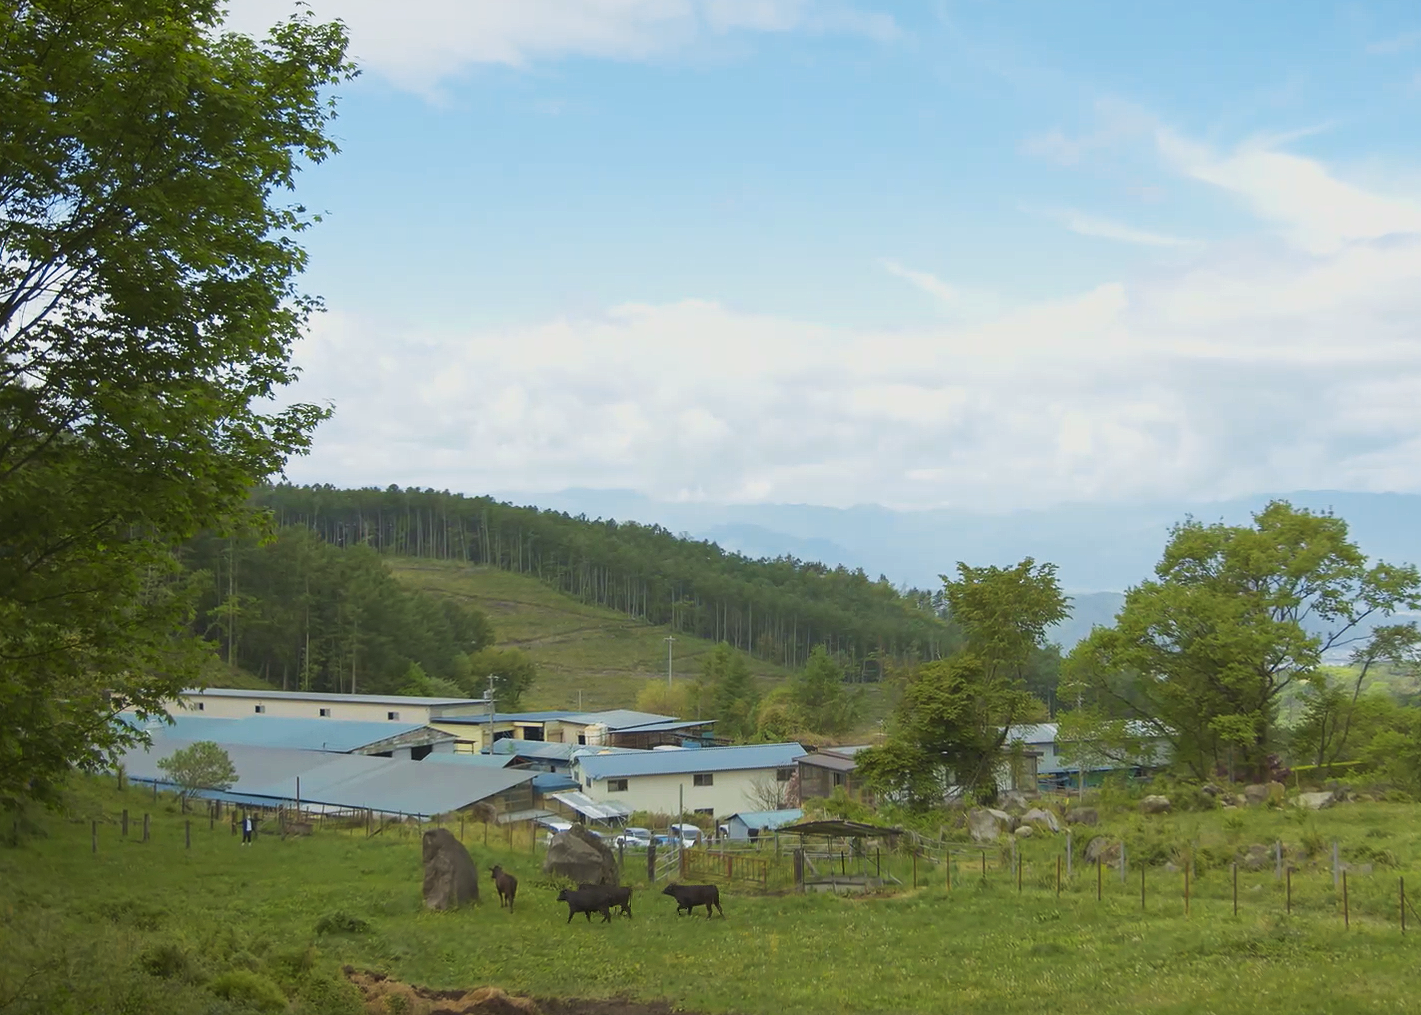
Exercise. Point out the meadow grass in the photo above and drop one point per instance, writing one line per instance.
(90, 924)
(604, 656)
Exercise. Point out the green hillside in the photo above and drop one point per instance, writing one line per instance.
(588, 654)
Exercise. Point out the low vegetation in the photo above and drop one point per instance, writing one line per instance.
(156, 927)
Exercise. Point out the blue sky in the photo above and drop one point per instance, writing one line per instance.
(920, 254)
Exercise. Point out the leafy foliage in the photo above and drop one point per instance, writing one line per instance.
(203, 765)
(821, 701)
(1203, 654)
(148, 305)
(732, 692)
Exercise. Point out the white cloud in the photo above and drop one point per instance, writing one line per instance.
(1395, 44)
(419, 43)
(1106, 229)
(1258, 367)
(926, 281)
(1317, 211)
(1116, 123)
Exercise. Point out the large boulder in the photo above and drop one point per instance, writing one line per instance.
(1315, 801)
(1023, 831)
(450, 878)
(581, 857)
(1103, 849)
(1257, 793)
(1083, 816)
(985, 824)
(1014, 799)
(1037, 816)
(1154, 804)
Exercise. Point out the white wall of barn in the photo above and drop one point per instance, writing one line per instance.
(730, 791)
(224, 707)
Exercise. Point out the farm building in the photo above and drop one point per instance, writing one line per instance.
(236, 703)
(827, 769)
(705, 780)
(745, 825)
(1056, 767)
(411, 741)
(613, 728)
(279, 776)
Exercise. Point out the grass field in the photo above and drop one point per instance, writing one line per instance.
(78, 929)
(585, 653)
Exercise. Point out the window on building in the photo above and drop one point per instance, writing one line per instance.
(260, 708)
(392, 715)
(616, 785)
(784, 774)
(325, 713)
(532, 733)
(704, 779)
(199, 706)
(838, 778)
(503, 734)
(582, 738)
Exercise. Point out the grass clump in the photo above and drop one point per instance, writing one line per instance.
(244, 987)
(341, 922)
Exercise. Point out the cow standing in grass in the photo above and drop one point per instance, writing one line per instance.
(617, 895)
(586, 901)
(507, 886)
(688, 897)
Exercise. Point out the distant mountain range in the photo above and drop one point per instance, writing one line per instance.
(1100, 549)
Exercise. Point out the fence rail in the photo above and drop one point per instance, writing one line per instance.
(731, 866)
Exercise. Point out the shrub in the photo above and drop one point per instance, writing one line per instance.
(1314, 843)
(133, 913)
(242, 986)
(319, 995)
(341, 922)
(169, 961)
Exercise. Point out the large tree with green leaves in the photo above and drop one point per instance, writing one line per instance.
(200, 765)
(725, 675)
(950, 729)
(1236, 616)
(148, 307)
(820, 699)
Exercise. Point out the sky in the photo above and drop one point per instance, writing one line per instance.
(937, 254)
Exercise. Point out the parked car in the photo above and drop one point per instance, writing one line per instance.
(690, 835)
(633, 838)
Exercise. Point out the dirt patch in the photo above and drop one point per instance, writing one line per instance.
(379, 992)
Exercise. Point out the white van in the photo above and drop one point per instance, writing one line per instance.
(690, 835)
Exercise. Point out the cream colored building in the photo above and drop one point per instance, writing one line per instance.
(234, 703)
(715, 781)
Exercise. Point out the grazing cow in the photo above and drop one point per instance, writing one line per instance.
(688, 897)
(588, 902)
(617, 895)
(507, 886)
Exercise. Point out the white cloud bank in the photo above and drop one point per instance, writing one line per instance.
(1267, 366)
(419, 43)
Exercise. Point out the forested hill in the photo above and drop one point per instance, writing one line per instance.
(776, 609)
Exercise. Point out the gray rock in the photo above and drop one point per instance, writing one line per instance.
(1103, 849)
(1258, 857)
(1083, 816)
(1036, 816)
(985, 825)
(1315, 801)
(581, 857)
(1209, 789)
(1014, 799)
(1255, 794)
(450, 878)
(1024, 832)
(1154, 804)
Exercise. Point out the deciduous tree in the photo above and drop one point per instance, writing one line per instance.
(202, 765)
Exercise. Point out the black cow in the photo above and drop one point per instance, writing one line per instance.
(688, 897)
(617, 895)
(507, 886)
(587, 902)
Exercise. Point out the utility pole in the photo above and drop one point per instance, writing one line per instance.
(670, 639)
(490, 712)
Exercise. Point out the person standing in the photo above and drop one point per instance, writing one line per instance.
(248, 826)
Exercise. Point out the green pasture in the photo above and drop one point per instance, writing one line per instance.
(158, 926)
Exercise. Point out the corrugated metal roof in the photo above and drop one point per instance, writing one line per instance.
(661, 727)
(356, 781)
(833, 762)
(553, 782)
(767, 819)
(456, 758)
(339, 735)
(702, 759)
(543, 750)
(349, 699)
(1033, 733)
(595, 809)
(498, 717)
(619, 718)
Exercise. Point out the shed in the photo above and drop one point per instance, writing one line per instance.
(745, 825)
(820, 867)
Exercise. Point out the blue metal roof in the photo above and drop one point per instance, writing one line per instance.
(662, 727)
(618, 718)
(339, 735)
(355, 781)
(543, 750)
(553, 782)
(475, 720)
(350, 699)
(456, 758)
(675, 762)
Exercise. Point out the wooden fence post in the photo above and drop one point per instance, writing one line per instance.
(651, 863)
(1058, 877)
(93, 836)
(1142, 888)
(145, 828)
(1346, 916)
(1235, 866)
(187, 835)
(1099, 877)
(1288, 874)
(125, 822)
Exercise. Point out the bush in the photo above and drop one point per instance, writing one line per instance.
(133, 913)
(341, 922)
(322, 996)
(169, 961)
(242, 986)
